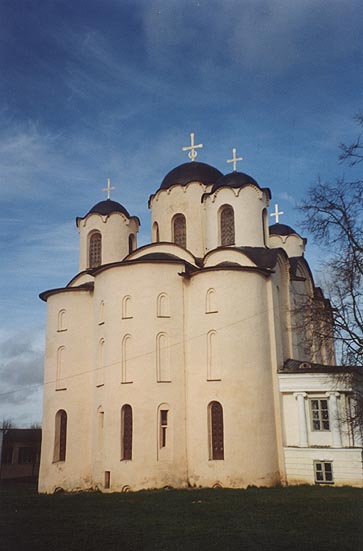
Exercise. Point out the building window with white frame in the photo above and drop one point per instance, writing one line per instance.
(323, 472)
(319, 414)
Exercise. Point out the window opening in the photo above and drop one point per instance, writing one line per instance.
(126, 433)
(95, 250)
(60, 443)
(216, 431)
(180, 230)
(323, 471)
(227, 226)
(163, 427)
(319, 414)
(107, 480)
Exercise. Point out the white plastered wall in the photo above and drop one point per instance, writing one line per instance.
(74, 394)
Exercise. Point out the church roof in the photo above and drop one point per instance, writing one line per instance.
(104, 208)
(191, 172)
(235, 180)
(297, 366)
(107, 207)
(281, 229)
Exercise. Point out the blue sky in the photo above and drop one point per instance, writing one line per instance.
(112, 88)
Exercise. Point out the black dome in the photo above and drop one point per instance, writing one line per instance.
(234, 179)
(190, 172)
(108, 206)
(281, 229)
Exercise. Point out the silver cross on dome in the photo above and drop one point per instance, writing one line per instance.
(234, 159)
(191, 148)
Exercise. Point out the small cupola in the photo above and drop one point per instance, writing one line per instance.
(107, 233)
(288, 239)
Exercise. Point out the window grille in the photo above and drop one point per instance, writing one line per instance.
(126, 433)
(216, 431)
(60, 443)
(163, 427)
(323, 471)
(319, 414)
(227, 226)
(95, 250)
(180, 230)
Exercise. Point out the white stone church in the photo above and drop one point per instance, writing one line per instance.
(189, 362)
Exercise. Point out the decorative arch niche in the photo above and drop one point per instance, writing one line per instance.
(162, 306)
(163, 374)
(59, 379)
(126, 307)
(125, 359)
(211, 301)
(156, 233)
(62, 322)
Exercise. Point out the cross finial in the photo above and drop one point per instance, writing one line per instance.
(277, 213)
(108, 188)
(234, 159)
(192, 153)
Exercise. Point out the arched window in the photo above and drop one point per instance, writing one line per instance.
(126, 433)
(216, 445)
(156, 236)
(180, 230)
(95, 250)
(227, 225)
(60, 437)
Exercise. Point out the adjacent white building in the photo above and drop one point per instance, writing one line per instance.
(189, 361)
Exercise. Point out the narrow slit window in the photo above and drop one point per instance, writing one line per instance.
(180, 230)
(227, 226)
(163, 427)
(126, 433)
(95, 250)
(60, 440)
(216, 431)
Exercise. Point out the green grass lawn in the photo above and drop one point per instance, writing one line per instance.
(310, 518)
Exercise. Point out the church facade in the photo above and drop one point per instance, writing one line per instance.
(190, 361)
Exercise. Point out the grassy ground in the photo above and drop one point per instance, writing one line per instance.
(309, 518)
